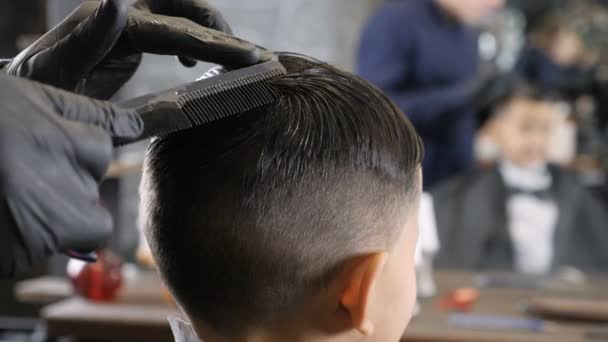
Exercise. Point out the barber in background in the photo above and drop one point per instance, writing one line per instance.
(55, 146)
(424, 55)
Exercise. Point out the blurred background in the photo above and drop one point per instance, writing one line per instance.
(487, 249)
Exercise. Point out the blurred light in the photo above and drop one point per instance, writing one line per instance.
(488, 46)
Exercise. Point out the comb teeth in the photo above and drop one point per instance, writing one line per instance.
(206, 100)
(229, 98)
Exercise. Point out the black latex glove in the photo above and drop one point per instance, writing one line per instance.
(98, 47)
(55, 147)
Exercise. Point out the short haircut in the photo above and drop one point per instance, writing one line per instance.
(503, 90)
(251, 215)
(523, 91)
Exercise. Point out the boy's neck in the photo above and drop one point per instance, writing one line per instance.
(286, 333)
(310, 324)
(253, 337)
(279, 337)
(293, 332)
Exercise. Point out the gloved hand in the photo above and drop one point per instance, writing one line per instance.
(98, 47)
(55, 147)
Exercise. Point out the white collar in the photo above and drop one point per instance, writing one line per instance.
(532, 178)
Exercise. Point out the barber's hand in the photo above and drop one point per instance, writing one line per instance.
(98, 47)
(55, 148)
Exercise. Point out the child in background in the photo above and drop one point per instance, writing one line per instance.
(556, 58)
(522, 214)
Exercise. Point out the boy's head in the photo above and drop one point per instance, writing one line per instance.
(293, 221)
(523, 122)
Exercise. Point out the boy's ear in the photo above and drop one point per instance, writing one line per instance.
(357, 294)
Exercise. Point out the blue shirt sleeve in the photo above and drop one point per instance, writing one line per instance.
(386, 57)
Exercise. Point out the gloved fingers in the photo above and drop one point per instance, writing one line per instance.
(73, 219)
(199, 11)
(202, 13)
(116, 121)
(109, 77)
(89, 42)
(165, 35)
(55, 213)
(89, 224)
(92, 148)
(187, 62)
(89, 230)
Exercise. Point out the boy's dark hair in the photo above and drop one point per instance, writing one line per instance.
(519, 89)
(248, 217)
(506, 88)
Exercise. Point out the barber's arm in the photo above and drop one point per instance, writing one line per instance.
(385, 56)
(98, 47)
(55, 148)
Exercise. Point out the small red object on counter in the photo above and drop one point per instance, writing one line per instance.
(461, 299)
(100, 281)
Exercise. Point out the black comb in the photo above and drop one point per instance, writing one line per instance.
(205, 100)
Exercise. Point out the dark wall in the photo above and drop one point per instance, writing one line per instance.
(19, 18)
(8, 28)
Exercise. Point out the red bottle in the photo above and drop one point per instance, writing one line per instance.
(100, 281)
